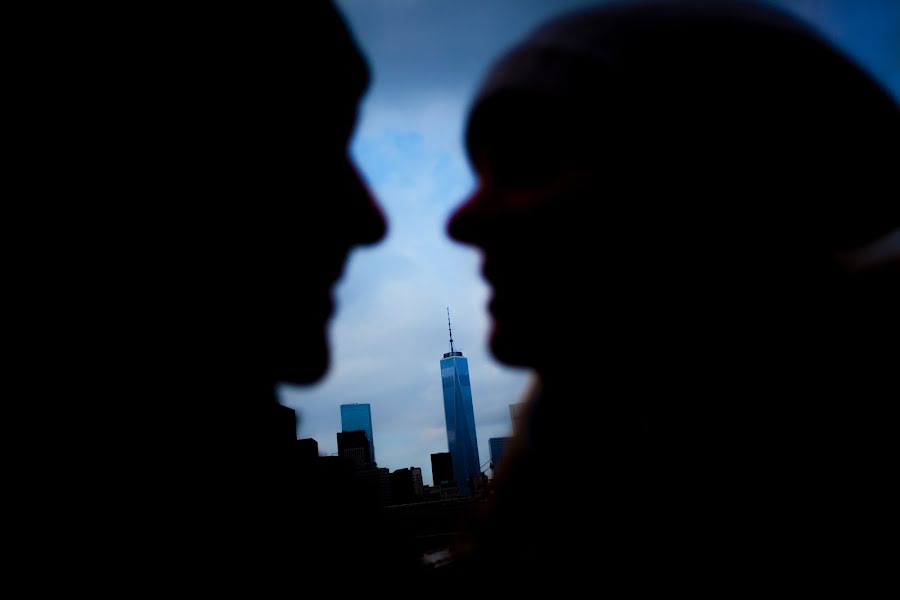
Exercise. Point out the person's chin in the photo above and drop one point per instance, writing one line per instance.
(312, 362)
(307, 374)
(507, 332)
(302, 359)
(508, 348)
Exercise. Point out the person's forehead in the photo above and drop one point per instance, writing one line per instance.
(334, 56)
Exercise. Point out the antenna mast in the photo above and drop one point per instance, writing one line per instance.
(450, 329)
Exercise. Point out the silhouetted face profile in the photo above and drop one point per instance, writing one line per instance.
(520, 216)
(341, 212)
(654, 173)
(293, 202)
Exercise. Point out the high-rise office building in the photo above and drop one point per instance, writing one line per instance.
(418, 488)
(358, 417)
(375, 485)
(442, 469)
(460, 418)
(497, 446)
(353, 446)
(406, 485)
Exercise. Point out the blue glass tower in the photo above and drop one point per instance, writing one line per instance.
(460, 419)
(358, 417)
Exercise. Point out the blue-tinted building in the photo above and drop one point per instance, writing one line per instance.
(460, 418)
(358, 417)
(497, 445)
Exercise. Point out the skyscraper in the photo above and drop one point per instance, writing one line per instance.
(460, 418)
(358, 417)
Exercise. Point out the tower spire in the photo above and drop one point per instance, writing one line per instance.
(450, 329)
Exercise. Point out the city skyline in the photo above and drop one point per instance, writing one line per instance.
(357, 416)
(426, 60)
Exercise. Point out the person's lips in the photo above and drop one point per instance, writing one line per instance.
(327, 304)
(332, 272)
(487, 272)
(335, 267)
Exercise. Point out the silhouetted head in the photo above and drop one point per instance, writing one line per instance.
(284, 203)
(341, 212)
(650, 171)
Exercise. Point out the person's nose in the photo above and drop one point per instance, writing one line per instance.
(470, 221)
(366, 223)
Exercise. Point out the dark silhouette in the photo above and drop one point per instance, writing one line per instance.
(278, 108)
(406, 486)
(442, 469)
(666, 191)
(232, 128)
(354, 447)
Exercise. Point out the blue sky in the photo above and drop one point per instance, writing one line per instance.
(390, 329)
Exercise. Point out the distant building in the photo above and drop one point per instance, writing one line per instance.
(442, 469)
(353, 446)
(497, 445)
(307, 448)
(460, 419)
(358, 417)
(376, 484)
(517, 415)
(430, 493)
(406, 486)
(418, 488)
(357, 456)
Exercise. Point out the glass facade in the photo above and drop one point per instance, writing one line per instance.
(460, 418)
(358, 417)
